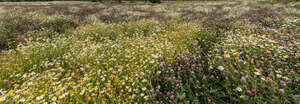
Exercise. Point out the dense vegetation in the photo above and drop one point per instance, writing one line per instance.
(153, 1)
(173, 52)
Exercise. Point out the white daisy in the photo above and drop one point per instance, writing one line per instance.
(221, 68)
(239, 89)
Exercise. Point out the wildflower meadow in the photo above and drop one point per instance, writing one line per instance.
(175, 52)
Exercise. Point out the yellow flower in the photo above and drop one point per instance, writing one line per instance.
(10, 91)
(226, 55)
(16, 85)
(242, 96)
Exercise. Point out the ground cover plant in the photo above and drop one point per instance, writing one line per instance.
(172, 52)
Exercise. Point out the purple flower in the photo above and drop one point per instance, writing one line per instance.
(6, 82)
(252, 92)
(194, 65)
(243, 78)
(236, 72)
(270, 75)
(162, 64)
(281, 91)
(208, 100)
(151, 90)
(292, 72)
(168, 93)
(172, 97)
(195, 58)
(289, 81)
(254, 56)
(249, 92)
(282, 83)
(244, 86)
(180, 56)
(297, 96)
